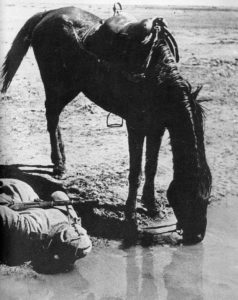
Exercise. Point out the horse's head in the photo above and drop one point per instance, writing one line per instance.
(190, 189)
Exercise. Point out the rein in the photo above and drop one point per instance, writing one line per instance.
(160, 31)
(171, 43)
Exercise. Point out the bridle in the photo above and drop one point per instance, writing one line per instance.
(160, 31)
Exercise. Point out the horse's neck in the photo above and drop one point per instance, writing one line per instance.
(187, 149)
(166, 69)
(190, 166)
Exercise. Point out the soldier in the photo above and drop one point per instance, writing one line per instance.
(52, 239)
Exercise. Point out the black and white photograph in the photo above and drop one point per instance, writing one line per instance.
(118, 150)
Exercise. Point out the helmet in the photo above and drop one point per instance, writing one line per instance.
(70, 244)
(59, 196)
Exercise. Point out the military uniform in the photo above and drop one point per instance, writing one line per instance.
(44, 236)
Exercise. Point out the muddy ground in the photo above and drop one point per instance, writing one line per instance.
(97, 156)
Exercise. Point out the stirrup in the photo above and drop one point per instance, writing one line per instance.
(112, 125)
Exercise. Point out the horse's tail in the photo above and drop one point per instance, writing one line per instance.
(18, 50)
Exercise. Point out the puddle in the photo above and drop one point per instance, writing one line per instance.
(205, 271)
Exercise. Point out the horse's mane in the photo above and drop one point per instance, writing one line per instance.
(166, 69)
(170, 79)
(168, 75)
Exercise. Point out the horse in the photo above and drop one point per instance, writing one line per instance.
(131, 71)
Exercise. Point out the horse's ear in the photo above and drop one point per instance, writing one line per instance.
(196, 92)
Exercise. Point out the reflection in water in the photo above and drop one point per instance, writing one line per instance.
(164, 273)
(74, 282)
(147, 289)
(183, 276)
(132, 275)
(90, 296)
(54, 287)
(148, 286)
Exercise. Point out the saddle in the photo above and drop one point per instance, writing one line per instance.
(123, 39)
(122, 24)
(125, 25)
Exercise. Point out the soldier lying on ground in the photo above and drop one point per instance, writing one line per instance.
(52, 239)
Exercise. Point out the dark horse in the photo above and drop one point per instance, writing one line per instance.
(134, 76)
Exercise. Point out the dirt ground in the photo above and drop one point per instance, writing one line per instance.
(97, 156)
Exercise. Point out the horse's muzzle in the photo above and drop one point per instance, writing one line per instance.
(194, 233)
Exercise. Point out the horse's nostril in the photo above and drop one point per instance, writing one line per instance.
(190, 239)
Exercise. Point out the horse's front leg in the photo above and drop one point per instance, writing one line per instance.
(135, 140)
(153, 142)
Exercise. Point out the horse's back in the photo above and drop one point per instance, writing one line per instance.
(55, 42)
(63, 18)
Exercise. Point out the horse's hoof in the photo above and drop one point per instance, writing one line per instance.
(153, 209)
(59, 172)
(131, 230)
(156, 213)
(148, 202)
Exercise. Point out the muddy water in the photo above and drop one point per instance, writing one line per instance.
(205, 271)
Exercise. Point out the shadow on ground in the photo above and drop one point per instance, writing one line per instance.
(101, 220)
(104, 220)
(42, 186)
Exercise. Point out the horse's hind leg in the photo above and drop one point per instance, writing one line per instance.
(57, 148)
(61, 144)
(54, 105)
(153, 142)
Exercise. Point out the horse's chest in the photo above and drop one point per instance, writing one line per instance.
(147, 119)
